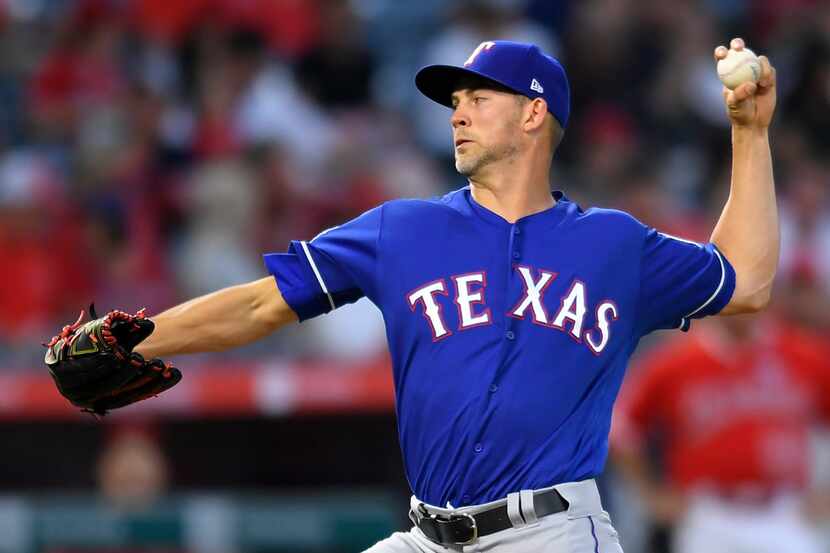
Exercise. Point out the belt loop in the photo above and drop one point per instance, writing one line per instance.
(527, 507)
(514, 512)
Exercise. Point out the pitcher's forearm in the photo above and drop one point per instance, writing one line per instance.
(747, 231)
(218, 321)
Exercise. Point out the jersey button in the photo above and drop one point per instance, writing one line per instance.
(493, 388)
(517, 231)
(478, 448)
(509, 335)
(516, 255)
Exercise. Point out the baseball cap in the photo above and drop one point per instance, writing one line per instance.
(520, 67)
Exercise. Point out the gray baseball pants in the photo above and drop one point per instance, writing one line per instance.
(584, 528)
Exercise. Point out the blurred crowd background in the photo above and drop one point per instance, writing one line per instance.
(152, 150)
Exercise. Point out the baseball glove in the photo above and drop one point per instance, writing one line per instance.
(94, 365)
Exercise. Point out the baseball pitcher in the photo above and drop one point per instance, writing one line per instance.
(511, 312)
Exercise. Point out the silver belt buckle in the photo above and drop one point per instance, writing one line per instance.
(474, 528)
(421, 513)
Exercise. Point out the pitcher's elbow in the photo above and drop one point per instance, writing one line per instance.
(760, 300)
(753, 290)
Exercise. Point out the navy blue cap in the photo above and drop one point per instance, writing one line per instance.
(523, 68)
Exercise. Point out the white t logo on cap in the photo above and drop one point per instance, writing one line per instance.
(535, 85)
(483, 46)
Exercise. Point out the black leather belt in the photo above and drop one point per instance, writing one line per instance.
(465, 528)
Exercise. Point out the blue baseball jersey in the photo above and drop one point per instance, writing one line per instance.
(509, 341)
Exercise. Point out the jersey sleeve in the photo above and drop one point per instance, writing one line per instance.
(337, 267)
(681, 280)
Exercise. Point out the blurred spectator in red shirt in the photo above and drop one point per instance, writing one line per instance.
(733, 403)
(45, 273)
(290, 26)
(81, 71)
(805, 247)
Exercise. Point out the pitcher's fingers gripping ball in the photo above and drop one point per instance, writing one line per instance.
(738, 65)
(94, 365)
(749, 81)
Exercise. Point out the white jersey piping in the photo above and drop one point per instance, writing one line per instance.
(317, 274)
(717, 290)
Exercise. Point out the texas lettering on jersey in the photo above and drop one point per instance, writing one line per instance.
(472, 308)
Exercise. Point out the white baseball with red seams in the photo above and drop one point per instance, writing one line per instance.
(738, 67)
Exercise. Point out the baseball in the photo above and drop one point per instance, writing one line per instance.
(738, 67)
